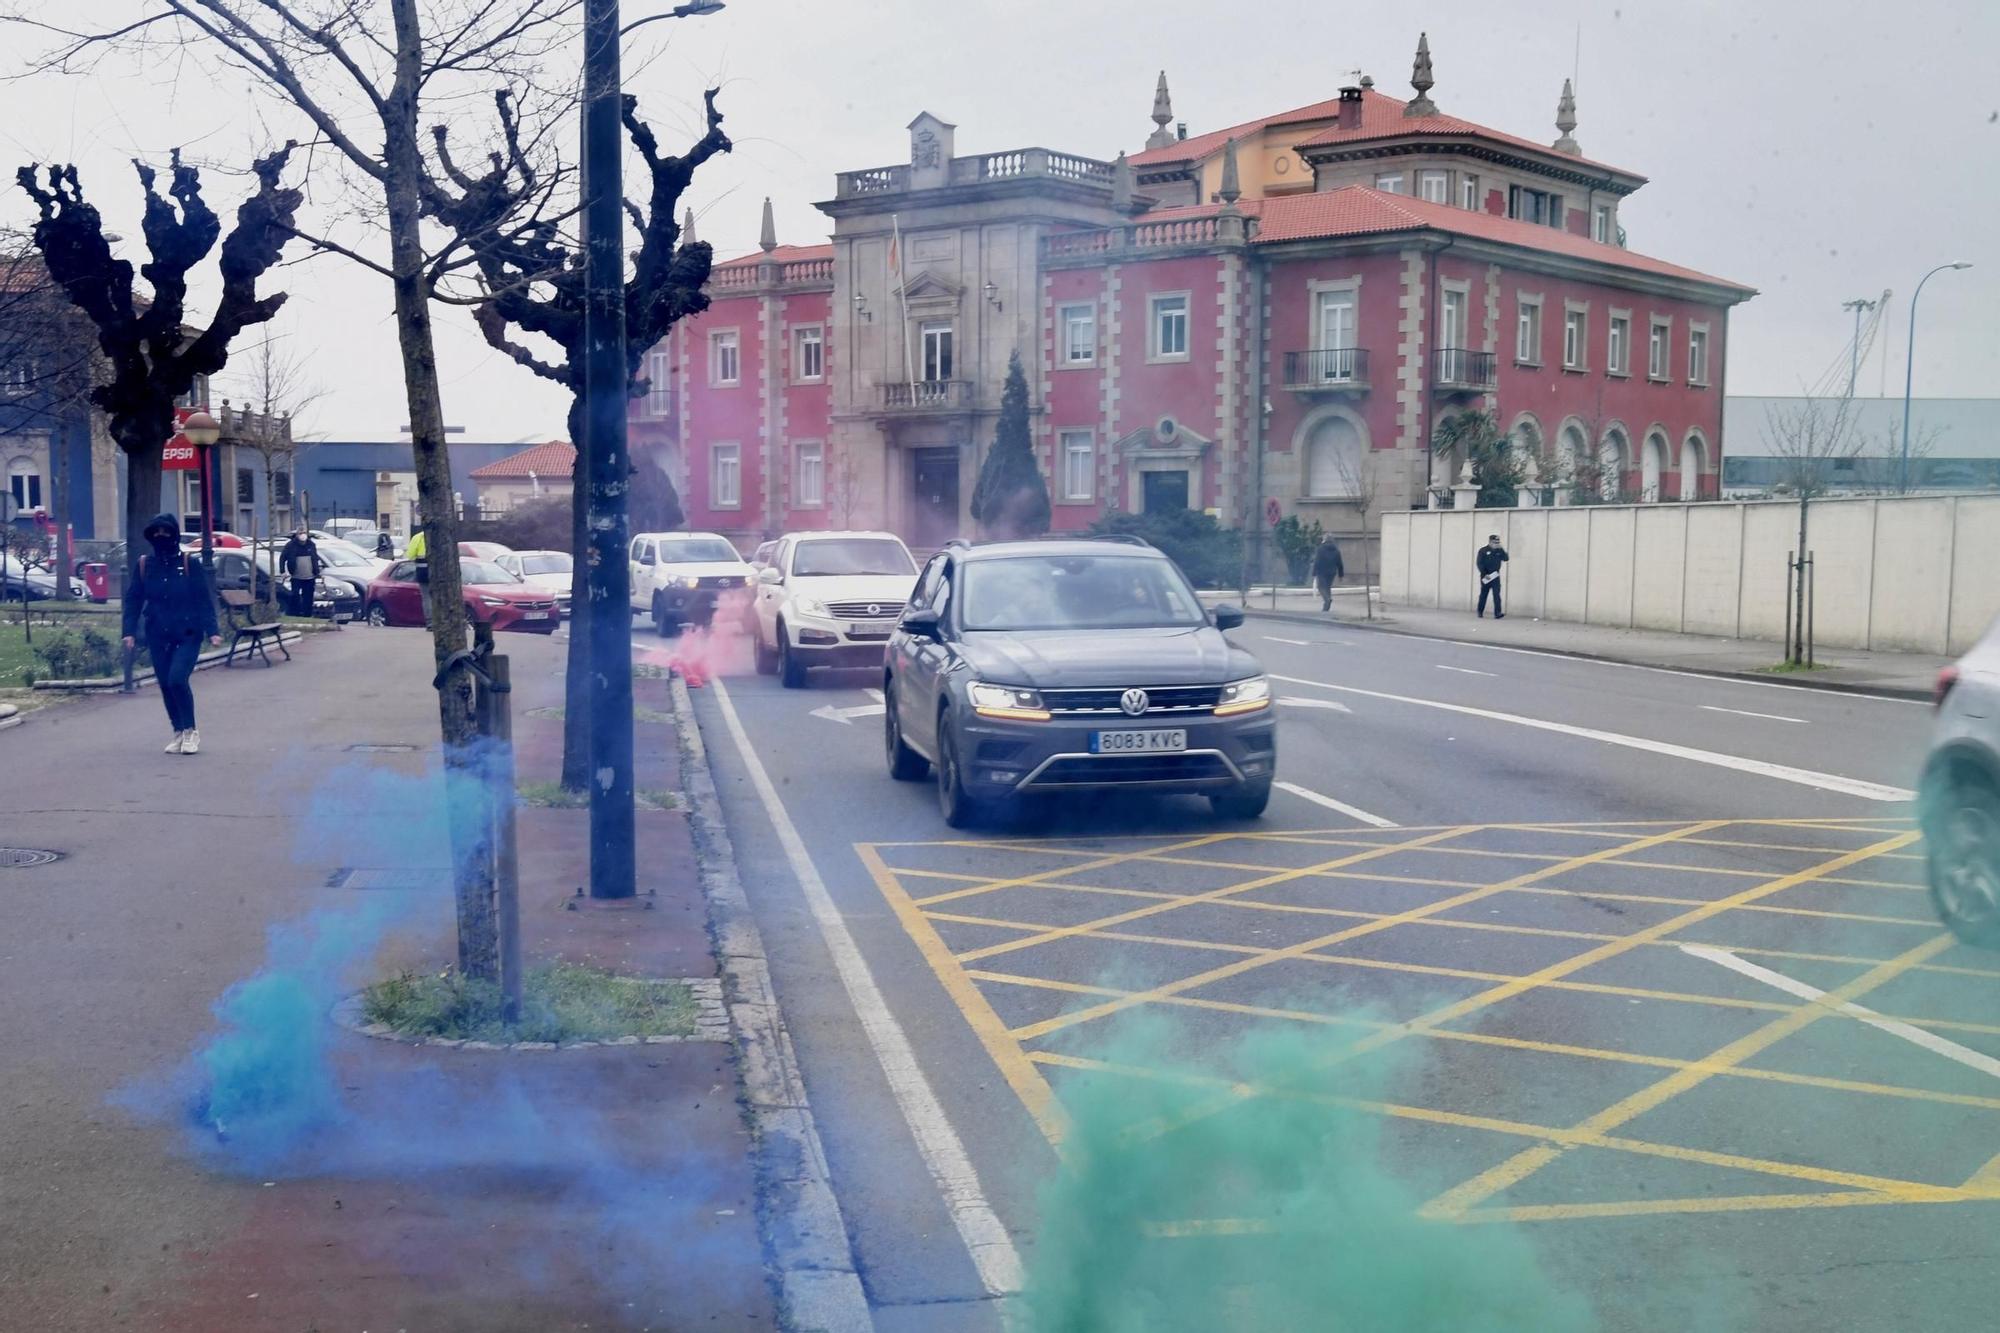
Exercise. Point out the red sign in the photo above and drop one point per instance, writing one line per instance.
(1272, 512)
(179, 455)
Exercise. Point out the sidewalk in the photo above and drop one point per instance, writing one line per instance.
(1901, 675)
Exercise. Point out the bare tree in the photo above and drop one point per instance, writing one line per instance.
(1812, 437)
(277, 390)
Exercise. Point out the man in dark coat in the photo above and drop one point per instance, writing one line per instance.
(1491, 556)
(1327, 570)
(300, 562)
(171, 599)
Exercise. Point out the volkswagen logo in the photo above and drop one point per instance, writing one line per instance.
(1133, 702)
(874, 609)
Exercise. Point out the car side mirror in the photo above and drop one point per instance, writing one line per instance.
(645, 557)
(1228, 616)
(922, 622)
(769, 574)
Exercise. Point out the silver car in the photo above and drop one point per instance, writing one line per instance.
(1958, 797)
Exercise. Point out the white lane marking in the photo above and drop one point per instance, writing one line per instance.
(1330, 705)
(985, 1237)
(1463, 671)
(1744, 712)
(875, 694)
(1296, 643)
(1350, 811)
(1804, 777)
(1930, 1041)
(845, 716)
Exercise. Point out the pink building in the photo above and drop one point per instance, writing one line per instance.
(1272, 318)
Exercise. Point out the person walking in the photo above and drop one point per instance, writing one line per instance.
(1327, 570)
(171, 600)
(384, 548)
(301, 563)
(1491, 556)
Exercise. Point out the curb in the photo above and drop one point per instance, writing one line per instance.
(1757, 677)
(819, 1284)
(10, 716)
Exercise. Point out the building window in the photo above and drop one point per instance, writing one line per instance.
(936, 339)
(1390, 182)
(1534, 206)
(1659, 349)
(281, 489)
(1335, 331)
(1079, 465)
(809, 486)
(1333, 460)
(1528, 332)
(725, 476)
(659, 386)
(246, 486)
(1576, 333)
(1434, 186)
(17, 379)
(1698, 354)
(1170, 328)
(1618, 352)
(1079, 335)
(725, 364)
(1600, 224)
(24, 483)
(809, 354)
(1468, 192)
(197, 394)
(1452, 326)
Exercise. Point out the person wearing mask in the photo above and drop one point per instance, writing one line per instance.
(1491, 556)
(171, 600)
(301, 564)
(1327, 570)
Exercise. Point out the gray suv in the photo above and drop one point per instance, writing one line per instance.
(1054, 666)
(1958, 798)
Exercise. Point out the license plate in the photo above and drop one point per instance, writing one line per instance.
(1137, 742)
(534, 615)
(867, 631)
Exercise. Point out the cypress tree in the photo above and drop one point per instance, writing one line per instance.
(1011, 499)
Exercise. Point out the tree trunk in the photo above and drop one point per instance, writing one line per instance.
(465, 799)
(576, 680)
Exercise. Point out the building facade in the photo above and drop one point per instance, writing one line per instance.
(1271, 319)
(541, 472)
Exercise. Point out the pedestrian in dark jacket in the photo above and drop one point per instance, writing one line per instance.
(300, 562)
(1491, 556)
(384, 548)
(1327, 570)
(171, 600)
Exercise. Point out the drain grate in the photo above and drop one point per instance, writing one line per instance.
(380, 747)
(19, 858)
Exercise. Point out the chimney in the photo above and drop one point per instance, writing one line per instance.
(1349, 114)
(1180, 131)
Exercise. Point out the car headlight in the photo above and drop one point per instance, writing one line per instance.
(1007, 702)
(1244, 696)
(684, 581)
(809, 606)
(492, 601)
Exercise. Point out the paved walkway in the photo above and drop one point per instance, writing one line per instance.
(1905, 675)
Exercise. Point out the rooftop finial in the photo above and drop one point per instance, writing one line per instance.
(1121, 184)
(1232, 185)
(1421, 80)
(1566, 122)
(1163, 116)
(767, 239)
(687, 227)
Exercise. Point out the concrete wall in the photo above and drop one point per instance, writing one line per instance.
(1900, 573)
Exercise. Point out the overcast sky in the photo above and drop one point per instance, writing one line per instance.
(1817, 150)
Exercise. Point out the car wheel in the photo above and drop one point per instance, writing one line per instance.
(1244, 801)
(1962, 833)
(766, 658)
(377, 615)
(905, 764)
(791, 668)
(663, 623)
(959, 809)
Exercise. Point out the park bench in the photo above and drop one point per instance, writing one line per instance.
(236, 603)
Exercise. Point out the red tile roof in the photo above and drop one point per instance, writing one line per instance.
(1201, 145)
(551, 461)
(784, 254)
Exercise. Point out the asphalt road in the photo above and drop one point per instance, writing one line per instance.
(1557, 922)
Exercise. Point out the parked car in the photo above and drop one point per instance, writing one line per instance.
(24, 583)
(1958, 796)
(829, 599)
(1070, 665)
(678, 576)
(492, 596)
(352, 530)
(551, 571)
(487, 551)
(339, 588)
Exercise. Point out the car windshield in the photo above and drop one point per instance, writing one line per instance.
(546, 562)
(852, 555)
(483, 571)
(1076, 592)
(340, 555)
(696, 551)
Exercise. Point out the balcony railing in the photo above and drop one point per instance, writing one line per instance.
(927, 395)
(1333, 368)
(1462, 368)
(1014, 164)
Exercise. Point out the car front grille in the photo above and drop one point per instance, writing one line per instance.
(722, 581)
(1112, 770)
(1161, 701)
(882, 610)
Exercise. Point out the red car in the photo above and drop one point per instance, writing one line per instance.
(492, 595)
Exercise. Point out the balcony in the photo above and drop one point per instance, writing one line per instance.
(927, 396)
(1461, 370)
(1015, 164)
(1327, 370)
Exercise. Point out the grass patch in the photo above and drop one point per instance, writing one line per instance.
(1793, 668)
(18, 664)
(658, 798)
(550, 796)
(559, 1002)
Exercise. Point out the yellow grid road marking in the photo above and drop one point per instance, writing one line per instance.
(1096, 863)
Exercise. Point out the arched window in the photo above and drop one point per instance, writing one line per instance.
(1691, 467)
(24, 485)
(1652, 464)
(1612, 455)
(1333, 459)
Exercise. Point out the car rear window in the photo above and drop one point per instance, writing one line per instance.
(1075, 592)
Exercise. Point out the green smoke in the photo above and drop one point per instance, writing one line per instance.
(1276, 1213)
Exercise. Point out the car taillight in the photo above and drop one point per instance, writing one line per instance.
(1945, 680)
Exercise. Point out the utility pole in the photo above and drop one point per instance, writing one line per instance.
(1910, 371)
(613, 874)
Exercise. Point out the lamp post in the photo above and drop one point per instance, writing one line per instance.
(1910, 371)
(202, 431)
(1857, 305)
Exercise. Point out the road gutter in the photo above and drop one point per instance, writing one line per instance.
(805, 1235)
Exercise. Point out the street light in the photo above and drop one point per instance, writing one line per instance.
(202, 431)
(1910, 371)
(693, 9)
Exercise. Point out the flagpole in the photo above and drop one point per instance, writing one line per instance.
(903, 299)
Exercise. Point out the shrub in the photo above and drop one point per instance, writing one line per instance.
(1208, 553)
(82, 654)
(1297, 541)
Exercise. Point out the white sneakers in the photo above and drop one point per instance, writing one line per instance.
(185, 742)
(174, 745)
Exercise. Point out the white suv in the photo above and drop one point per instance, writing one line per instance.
(830, 599)
(679, 576)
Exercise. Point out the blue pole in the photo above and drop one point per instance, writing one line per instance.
(1909, 375)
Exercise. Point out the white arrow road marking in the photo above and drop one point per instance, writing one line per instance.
(1930, 1041)
(1350, 811)
(1330, 705)
(1296, 643)
(1744, 712)
(876, 695)
(845, 716)
(1463, 671)
(1804, 777)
